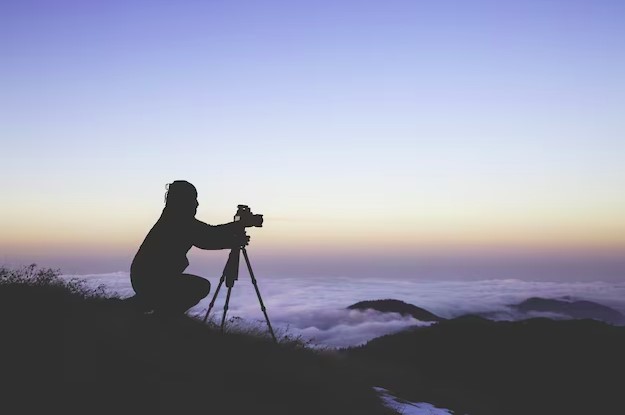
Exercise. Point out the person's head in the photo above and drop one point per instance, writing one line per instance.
(181, 198)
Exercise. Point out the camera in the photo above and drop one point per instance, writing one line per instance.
(247, 218)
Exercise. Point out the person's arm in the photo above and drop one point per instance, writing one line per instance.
(226, 236)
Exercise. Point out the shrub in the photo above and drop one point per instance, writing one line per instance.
(47, 279)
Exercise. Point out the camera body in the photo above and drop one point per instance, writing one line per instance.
(247, 218)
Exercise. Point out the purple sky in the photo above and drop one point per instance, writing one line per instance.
(374, 136)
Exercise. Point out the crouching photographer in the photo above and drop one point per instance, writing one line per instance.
(157, 270)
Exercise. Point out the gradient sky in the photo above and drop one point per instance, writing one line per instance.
(369, 133)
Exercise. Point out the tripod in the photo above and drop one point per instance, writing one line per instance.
(230, 275)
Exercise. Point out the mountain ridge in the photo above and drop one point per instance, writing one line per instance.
(572, 308)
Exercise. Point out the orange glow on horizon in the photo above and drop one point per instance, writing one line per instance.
(346, 238)
(322, 230)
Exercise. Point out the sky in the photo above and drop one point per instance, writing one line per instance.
(422, 139)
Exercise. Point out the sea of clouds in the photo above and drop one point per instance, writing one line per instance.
(315, 308)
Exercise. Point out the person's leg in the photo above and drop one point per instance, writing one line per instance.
(186, 291)
(144, 297)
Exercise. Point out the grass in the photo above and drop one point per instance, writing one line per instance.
(68, 349)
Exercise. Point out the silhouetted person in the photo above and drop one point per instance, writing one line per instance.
(157, 271)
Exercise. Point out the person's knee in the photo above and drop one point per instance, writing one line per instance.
(194, 288)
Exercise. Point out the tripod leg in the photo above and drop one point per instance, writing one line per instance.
(260, 300)
(212, 303)
(223, 318)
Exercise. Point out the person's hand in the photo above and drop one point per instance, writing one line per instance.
(242, 240)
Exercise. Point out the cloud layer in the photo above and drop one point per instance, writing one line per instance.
(316, 307)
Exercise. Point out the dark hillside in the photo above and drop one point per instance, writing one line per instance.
(536, 366)
(67, 350)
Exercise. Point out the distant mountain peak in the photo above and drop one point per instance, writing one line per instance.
(396, 306)
(577, 309)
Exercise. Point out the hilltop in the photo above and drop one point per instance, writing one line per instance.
(66, 349)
